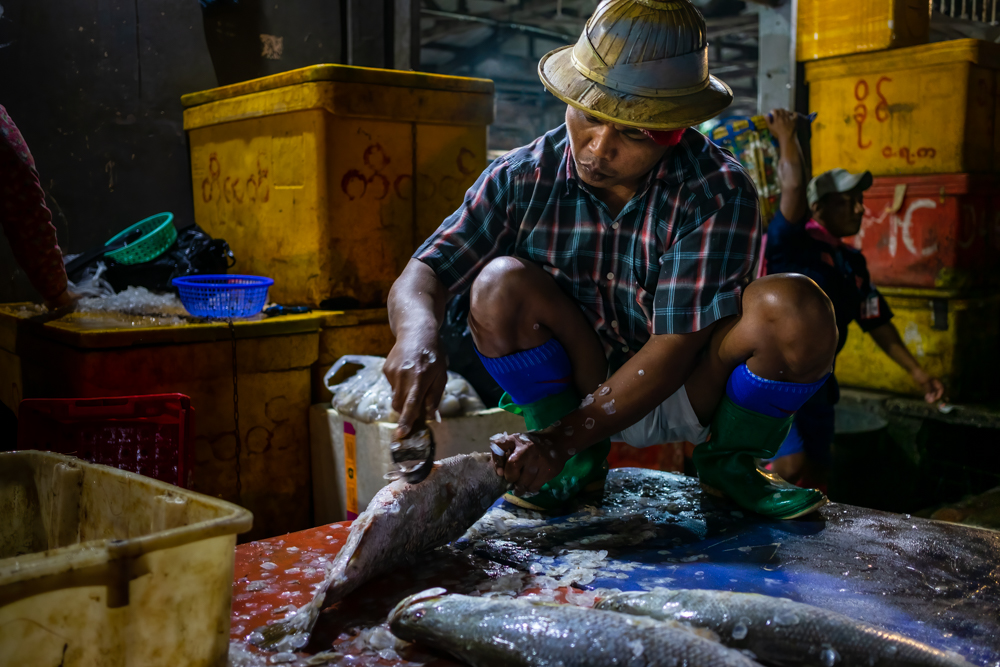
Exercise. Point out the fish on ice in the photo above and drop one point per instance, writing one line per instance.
(484, 632)
(782, 632)
(402, 520)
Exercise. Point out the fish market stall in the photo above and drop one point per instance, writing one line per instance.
(933, 582)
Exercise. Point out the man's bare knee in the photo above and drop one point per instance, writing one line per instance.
(499, 287)
(796, 323)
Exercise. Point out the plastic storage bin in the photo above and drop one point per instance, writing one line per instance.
(953, 338)
(105, 354)
(147, 435)
(104, 568)
(350, 457)
(931, 231)
(363, 164)
(920, 110)
(827, 29)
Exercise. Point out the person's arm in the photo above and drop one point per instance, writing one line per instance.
(446, 263)
(887, 337)
(27, 221)
(791, 165)
(416, 366)
(656, 371)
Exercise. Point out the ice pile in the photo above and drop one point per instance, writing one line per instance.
(367, 395)
(135, 301)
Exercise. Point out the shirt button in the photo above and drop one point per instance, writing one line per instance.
(611, 276)
(614, 226)
(614, 324)
(624, 348)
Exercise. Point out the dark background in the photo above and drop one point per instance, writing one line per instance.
(95, 86)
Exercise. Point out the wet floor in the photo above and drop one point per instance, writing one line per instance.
(935, 582)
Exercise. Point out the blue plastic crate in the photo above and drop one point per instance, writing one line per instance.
(223, 295)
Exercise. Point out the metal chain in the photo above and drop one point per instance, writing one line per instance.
(236, 418)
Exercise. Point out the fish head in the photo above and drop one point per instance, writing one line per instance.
(406, 617)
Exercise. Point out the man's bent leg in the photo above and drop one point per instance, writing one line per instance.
(769, 361)
(541, 350)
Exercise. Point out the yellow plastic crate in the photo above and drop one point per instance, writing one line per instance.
(919, 110)
(100, 567)
(952, 338)
(827, 29)
(87, 355)
(327, 178)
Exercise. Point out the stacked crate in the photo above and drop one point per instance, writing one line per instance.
(922, 120)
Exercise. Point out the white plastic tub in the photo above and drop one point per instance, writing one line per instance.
(342, 490)
(108, 568)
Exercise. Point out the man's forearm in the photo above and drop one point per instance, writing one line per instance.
(417, 299)
(887, 338)
(658, 370)
(791, 177)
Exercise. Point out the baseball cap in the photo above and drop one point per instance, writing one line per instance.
(836, 180)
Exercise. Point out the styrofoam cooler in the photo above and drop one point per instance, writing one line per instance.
(350, 457)
(931, 231)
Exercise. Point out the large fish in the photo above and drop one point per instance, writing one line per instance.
(782, 632)
(401, 520)
(484, 632)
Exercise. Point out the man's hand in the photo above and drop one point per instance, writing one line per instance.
(418, 371)
(529, 460)
(933, 388)
(781, 122)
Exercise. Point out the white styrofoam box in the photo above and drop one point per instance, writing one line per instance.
(454, 435)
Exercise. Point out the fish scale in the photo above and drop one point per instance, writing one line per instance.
(782, 632)
(516, 633)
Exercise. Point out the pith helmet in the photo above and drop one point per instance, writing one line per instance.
(641, 63)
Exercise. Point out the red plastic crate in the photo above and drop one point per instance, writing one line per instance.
(150, 435)
(932, 231)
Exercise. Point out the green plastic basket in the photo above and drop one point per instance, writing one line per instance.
(158, 234)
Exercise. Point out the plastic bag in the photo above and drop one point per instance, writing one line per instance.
(194, 252)
(367, 395)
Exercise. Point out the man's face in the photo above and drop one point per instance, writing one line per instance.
(609, 155)
(841, 212)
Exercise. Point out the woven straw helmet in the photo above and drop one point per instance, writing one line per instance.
(640, 63)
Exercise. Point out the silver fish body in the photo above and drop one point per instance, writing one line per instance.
(485, 632)
(401, 520)
(782, 632)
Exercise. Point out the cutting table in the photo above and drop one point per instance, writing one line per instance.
(935, 582)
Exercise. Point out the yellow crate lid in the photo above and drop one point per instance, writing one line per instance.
(342, 73)
(977, 51)
(98, 330)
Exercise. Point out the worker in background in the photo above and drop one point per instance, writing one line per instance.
(609, 264)
(805, 237)
(27, 221)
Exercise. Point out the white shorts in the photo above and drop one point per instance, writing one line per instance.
(673, 420)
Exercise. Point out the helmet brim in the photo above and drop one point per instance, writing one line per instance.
(563, 80)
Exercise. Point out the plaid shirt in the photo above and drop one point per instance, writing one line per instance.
(674, 260)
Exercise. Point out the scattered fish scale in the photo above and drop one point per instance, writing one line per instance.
(782, 632)
(484, 632)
